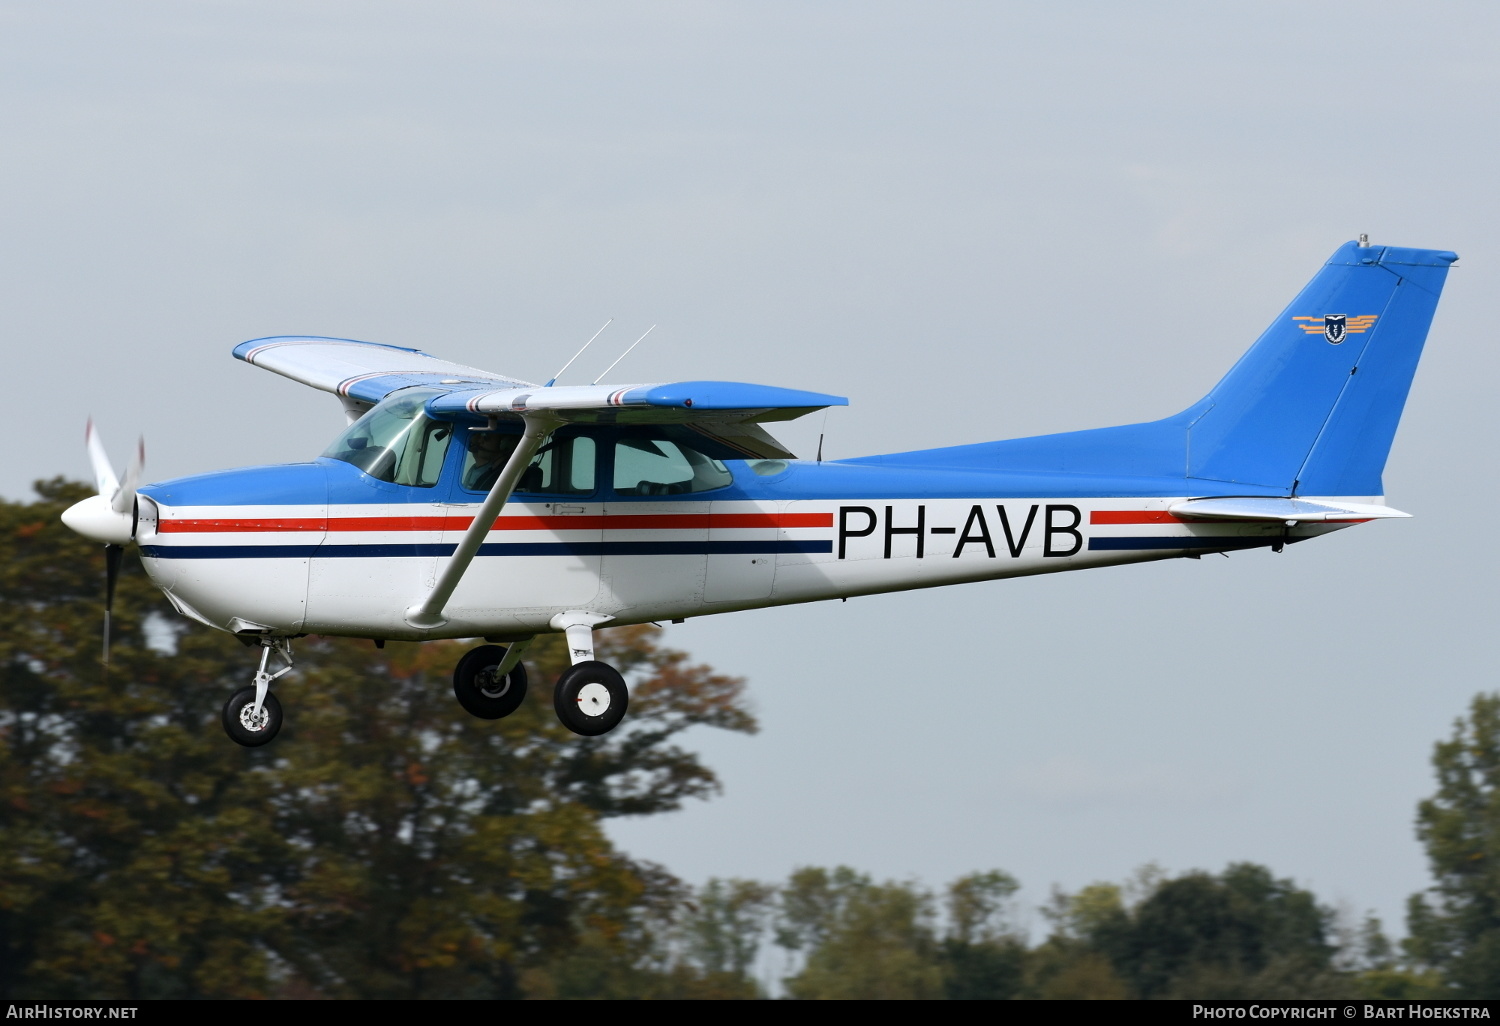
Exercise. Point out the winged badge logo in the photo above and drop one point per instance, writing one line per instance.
(1335, 326)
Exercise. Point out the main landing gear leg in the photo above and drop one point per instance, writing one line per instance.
(590, 698)
(252, 716)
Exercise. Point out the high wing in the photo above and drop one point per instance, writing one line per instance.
(723, 416)
(366, 372)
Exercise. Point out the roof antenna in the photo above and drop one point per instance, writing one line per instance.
(577, 355)
(622, 356)
(821, 429)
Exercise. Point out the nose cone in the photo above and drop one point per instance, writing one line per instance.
(95, 520)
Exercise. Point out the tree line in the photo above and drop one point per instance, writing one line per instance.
(387, 846)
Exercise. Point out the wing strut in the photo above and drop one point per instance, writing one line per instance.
(429, 612)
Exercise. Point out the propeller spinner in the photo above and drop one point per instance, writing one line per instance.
(108, 517)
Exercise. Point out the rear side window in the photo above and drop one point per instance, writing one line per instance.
(655, 466)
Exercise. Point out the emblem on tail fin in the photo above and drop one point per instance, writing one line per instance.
(1335, 326)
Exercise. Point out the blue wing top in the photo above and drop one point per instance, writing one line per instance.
(365, 372)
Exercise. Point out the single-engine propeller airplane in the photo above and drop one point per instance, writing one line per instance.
(462, 504)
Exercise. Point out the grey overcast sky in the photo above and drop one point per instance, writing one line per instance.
(977, 220)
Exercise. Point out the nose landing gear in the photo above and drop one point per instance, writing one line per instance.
(252, 716)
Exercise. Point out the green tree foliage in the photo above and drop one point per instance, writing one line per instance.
(863, 939)
(1236, 934)
(1455, 929)
(726, 921)
(721, 929)
(982, 953)
(386, 845)
(1239, 933)
(860, 939)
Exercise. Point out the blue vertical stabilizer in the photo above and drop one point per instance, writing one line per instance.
(1313, 405)
(1310, 409)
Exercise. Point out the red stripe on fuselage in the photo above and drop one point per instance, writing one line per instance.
(618, 522)
(1133, 516)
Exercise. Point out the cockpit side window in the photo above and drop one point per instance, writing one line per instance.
(564, 466)
(396, 441)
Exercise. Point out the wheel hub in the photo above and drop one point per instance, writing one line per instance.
(593, 699)
(488, 686)
(251, 720)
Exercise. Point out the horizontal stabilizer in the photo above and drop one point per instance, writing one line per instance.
(1302, 510)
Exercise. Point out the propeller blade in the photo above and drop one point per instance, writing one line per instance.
(112, 556)
(108, 517)
(124, 498)
(105, 481)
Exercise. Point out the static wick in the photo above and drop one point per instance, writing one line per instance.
(622, 356)
(576, 355)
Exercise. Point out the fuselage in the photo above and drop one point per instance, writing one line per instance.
(326, 548)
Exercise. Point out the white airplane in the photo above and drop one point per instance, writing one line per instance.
(462, 504)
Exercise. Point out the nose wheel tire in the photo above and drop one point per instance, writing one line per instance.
(591, 698)
(244, 726)
(481, 691)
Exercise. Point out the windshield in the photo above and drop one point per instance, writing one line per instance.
(396, 441)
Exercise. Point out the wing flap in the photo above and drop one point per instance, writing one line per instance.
(1263, 508)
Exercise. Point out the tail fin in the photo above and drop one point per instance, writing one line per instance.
(1313, 406)
(1310, 409)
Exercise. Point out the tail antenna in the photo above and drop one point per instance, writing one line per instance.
(622, 356)
(576, 355)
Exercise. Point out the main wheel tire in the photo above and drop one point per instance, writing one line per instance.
(591, 698)
(245, 728)
(480, 692)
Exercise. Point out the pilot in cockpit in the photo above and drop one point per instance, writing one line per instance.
(488, 452)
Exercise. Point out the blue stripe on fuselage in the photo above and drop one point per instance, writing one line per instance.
(609, 548)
